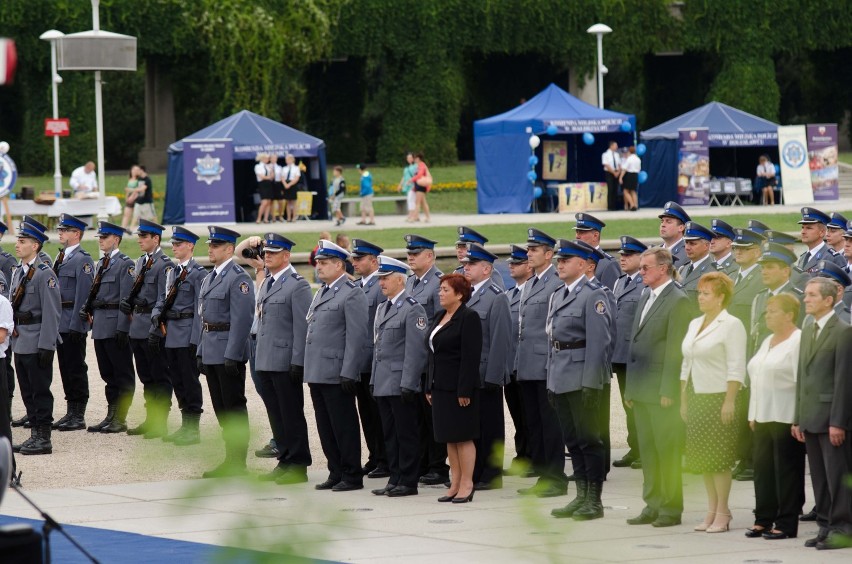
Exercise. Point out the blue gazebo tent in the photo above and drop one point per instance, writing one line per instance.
(251, 134)
(501, 144)
(737, 139)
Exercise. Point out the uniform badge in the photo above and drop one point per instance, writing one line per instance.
(87, 268)
(51, 283)
(421, 323)
(600, 307)
(131, 270)
(244, 287)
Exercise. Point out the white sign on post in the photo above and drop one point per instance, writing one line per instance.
(795, 172)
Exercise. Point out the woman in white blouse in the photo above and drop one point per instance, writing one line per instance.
(779, 459)
(629, 179)
(766, 180)
(713, 370)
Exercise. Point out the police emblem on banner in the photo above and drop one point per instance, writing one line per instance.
(8, 175)
(600, 307)
(421, 323)
(794, 154)
(208, 169)
(244, 287)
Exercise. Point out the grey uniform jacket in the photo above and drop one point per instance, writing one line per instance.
(76, 274)
(689, 283)
(182, 331)
(400, 354)
(426, 291)
(41, 300)
(729, 266)
(7, 263)
(811, 268)
(374, 297)
(612, 304)
(743, 297)
(758, 330)
(492, 306)
(533, 344)
(583, 316)
(116, 282)
(282, 325)
(337, 334)
(514, 311)
(152, 289)
(227, 298)
(607, 271)
(4, 285)
(627, 296)
(679, 253)
(496, 277)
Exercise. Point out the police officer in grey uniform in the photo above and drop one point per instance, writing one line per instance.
(579, 325)
(543, 433)
(521, 272)
(151, 367)
(32, 222)
(466, 237)
(175, 313)
(673, 222)
(75, 270)
(836, 274)
(36, 307)
(697, 238)
(588, 230)
(226, 307)
(110, 329)
(399, 358)
(282, 308)
(336, 337)
(365, 262)
(721, 247)
(423, 286)
(492, 305)
(813, 232)
(776, 263)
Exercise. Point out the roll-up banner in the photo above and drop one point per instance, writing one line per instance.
(795, 173)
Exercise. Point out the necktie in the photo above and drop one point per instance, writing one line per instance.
(566, 293)
(388, 307)
(629, 280)
(515, 293)
(324, 290)
(534, 280)
(805, 259)
(612, 156)
(269, 284)
(212, 277)
(647, 307)
(689, 269)
(739, 279)
(816, 336)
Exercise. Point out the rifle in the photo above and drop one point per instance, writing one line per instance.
(171, 297)
(137, 283)
(18, 297)
(96, 287)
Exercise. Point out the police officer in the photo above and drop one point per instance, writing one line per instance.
(813, 233)
(226, 307)
(673, 222)
(150, 283)
(758, 226)
(578, 316)
(776, 262)
(75, 270)
(628, 291)
(543, 433)
(399, 359)
(110, 329)
(588, 230)
(32, 222)
(697, 243)
(175, 313)
(492, 305)
(36, 307)
(835, 229)
(423, 286)
(365, 262)
(721, 246)
(798, 277)
(336, 337)
(466, 237)
(837, 275)
(282, 307)
(521, 272)
(747, 279)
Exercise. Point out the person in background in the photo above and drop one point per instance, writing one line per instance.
(290, 176)
(265, 187)
(422, 182)
(143, 208)
(721, 247)
(776, 265)
(588, 230)
(336, 193)
(629, 179)
(835, 229)
(672, 228)
(813, 232)
(766, 180)
(713, 371)
(84, 181)
(521, 272)
(697, 246)
(406, 186)
(130, 195)
(366, 197)
(278, 203)
(324, 235)
(342, 240)
(611, 162)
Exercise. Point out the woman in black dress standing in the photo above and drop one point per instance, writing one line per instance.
(455, 344)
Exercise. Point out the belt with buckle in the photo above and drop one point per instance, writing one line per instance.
(105, 306)
(67, 305)
(27, 319)
(217, 326)
(143, 309)
(179, 315)
(566, 346)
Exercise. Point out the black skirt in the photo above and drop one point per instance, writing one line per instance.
(452, 422)
(266, 188)
(630, 180)
(289, 193)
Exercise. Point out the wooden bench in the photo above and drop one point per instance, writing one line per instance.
(349, 206)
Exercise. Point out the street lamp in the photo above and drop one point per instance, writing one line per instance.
(599, 30)
(52, 35)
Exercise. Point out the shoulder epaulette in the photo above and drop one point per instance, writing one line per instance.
(798, 291)
(411, 300)
(592, 284)
(5, 254)
(297, 276)
(609, 256)
(677, 284)
(496, 289)
(122, 256)
(351, 283)
(43, 266)
(84, 252)
(236, 268)
(165, 258)
(438, 274)
(199, 267)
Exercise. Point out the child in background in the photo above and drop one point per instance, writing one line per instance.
(336, 191)
(366, 197)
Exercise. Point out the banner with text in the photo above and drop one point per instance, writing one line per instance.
(822, 160)
(693, 166)
(208, 179)
(795, 174)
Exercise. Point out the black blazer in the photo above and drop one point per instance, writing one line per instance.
(454, 366)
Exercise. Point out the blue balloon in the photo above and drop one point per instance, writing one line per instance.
(626, 126)
(588, 138)
(552, 129)
(640, 149)
(533, 160)
(531, 176)
(537, 192)
(643, 177)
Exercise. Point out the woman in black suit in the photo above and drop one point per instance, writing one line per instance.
(455, 344)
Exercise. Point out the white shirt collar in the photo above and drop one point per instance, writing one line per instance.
(746, 272)
(573, 284)
(543, 272)
(281, 272)
(394, 299)
(659, 289)
(334, 283)
(723, 259)
(70, 249)
(366, 279)
(699, 261)
(221, 268)
(817, 249)
(820, 323)
(673, 245)
(479, 285)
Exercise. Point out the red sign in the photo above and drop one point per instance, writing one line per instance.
(57, 127)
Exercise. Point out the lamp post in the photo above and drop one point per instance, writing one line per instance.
(599, 30)
(52, 35)
(99, 118)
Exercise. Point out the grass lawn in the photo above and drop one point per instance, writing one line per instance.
(845, 157)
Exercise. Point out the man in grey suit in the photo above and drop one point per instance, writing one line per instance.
(226, 307)
(113, 279)
(365, 261)
(673, 222)
(282, 308)
(175, 313)
(697, 239)
(336, 337)
(36, 306)
(423, 286)
(653, 388)
(813, 233)
(628, 291)
(588, 230)
(399, 335)
(721, 247)
(521, 272)
(543, 432)
(823, 419)
(579, 326)
(492, 305)
(466, 237)
(151, 270)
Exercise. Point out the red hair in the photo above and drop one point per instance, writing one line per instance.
(459, 284)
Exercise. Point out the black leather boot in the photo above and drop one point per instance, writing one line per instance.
(158, 426)
(26, 442)
(143, 427)
(22, 422)
(190, 435)
(41, 444)
(575, 504)
(64, 419)
(111, 409)
(77, 420)
(119, 422)
(593, 507)
(180, 431)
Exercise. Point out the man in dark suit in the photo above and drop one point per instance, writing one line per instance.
(653, 388)
(672, 228)
(588, 230)
(823, 417)
(521, 272)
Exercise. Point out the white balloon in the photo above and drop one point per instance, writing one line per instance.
(4, 147)
(535, 141)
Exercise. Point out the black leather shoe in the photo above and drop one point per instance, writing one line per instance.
(641, 519)
(273, 475)
(811, 543)
(779, 535)
(346, 487)
(367, 468)
(268, 451)
(624, 462)
(833, 542)
(379, 472)
(22, 422)
(432, 479)
(402, 491)
(666, 521)
(746, 475)
(636, 464)
(492, 485)
(293, 475)
(141, 429)
(225, 470)
(115, 426)
(754, 533)
(327, 485)
(553, 490)
(384, 490)
(809, 516)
